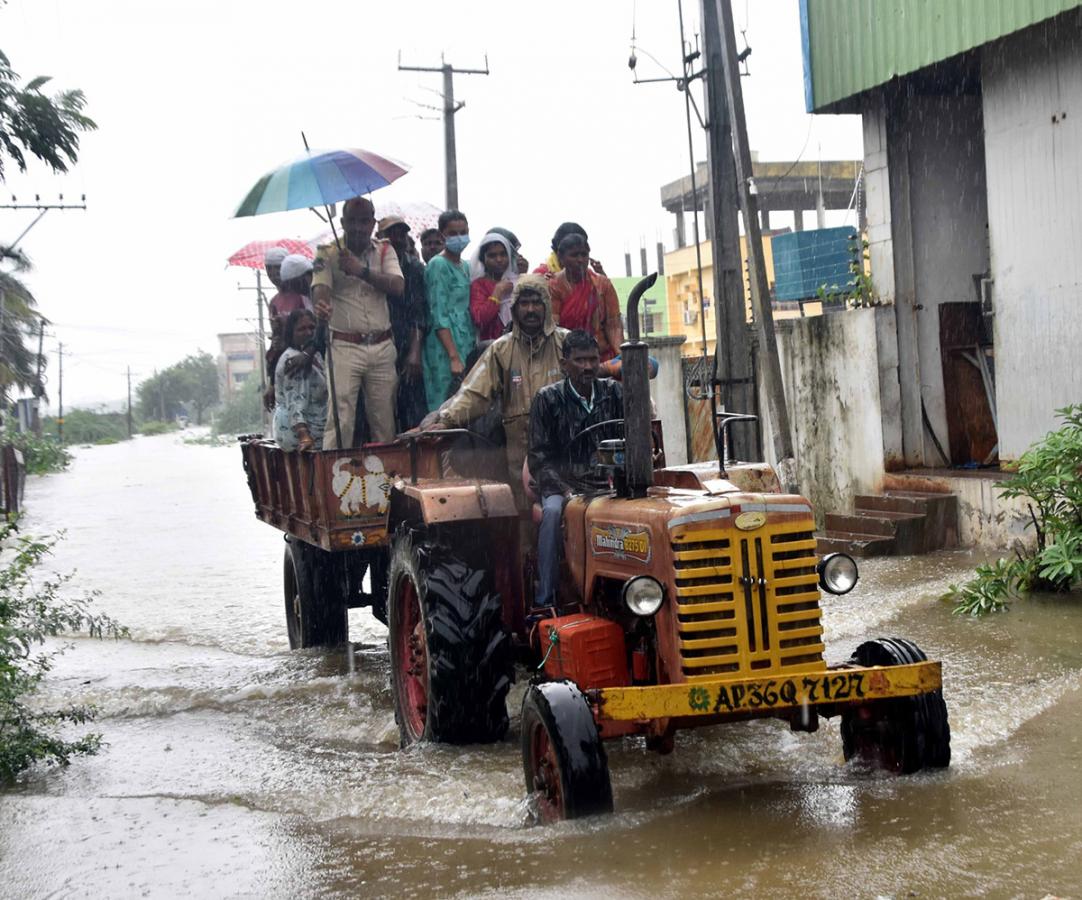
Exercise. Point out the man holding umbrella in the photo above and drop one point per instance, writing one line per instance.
(350, 288)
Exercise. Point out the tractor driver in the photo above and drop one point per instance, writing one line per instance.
(560, 463)
(511, 371)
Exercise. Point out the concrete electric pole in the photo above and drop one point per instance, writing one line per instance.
(60, 395)
(760, 290)
(735, 375)
(129, 404)
(449, 109)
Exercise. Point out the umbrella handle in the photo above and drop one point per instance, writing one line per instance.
(326, 332)
(330, 383)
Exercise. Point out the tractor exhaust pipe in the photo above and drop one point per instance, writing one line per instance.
(634, 355)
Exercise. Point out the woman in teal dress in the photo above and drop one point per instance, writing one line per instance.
(451, 334)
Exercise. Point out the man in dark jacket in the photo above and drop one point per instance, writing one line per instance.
(409, 314)
(561, 462)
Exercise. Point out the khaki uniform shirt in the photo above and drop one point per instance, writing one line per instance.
(357, 305)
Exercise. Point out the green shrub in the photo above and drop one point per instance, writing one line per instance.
(31, 610)
(1049, 479)
(152, 428)
(41, 454)
(84, 426)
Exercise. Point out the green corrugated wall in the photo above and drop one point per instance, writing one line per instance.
(853, 45)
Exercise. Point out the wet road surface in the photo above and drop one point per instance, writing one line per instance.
(237, 768)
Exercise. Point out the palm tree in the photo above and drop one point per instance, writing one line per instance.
(20, 326)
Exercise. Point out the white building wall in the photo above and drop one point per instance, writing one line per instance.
(881, 258)
(949, 227)
(1033, 148)
(877, 197)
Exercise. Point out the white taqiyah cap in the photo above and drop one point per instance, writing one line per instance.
(294, 266)
(274, 256)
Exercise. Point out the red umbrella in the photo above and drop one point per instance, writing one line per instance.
(251, 255)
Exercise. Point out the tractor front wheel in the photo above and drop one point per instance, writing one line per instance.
(567, 772)
(902, 734)
(451, 665)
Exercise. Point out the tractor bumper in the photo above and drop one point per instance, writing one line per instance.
(832, 688)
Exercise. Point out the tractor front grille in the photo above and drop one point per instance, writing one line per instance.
(747, 601)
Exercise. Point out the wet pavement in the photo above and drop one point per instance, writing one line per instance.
(236, 768)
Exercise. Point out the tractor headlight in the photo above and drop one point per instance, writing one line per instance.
(837, 573)
(643, 595)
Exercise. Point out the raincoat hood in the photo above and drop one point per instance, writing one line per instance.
(537, 284)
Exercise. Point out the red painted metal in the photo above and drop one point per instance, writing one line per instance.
(586, 649)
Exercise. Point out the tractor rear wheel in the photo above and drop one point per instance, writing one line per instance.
(567, 771)
(902, 734)
(315, 597)
(451, 665)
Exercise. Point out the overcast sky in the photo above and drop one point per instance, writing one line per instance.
(195, 100)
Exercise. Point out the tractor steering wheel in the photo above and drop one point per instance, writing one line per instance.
(653, 436)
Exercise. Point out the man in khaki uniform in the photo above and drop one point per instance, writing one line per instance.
(513, 368)
(350, 289)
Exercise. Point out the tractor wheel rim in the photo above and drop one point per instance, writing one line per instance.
(545, 767)
(412, 668)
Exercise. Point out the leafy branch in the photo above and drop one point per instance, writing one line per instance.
(1049, 479)
(30, 613)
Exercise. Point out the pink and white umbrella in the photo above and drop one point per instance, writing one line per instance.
(251, 254)
(419, 215)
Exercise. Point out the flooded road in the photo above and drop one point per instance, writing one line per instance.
(237, 768)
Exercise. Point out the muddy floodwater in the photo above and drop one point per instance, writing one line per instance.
(236, 768)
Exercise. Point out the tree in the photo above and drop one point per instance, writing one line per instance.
(242, 412)
(43, 126)
(200, 376)
(46, 127)
(190, 385)
(19, 328)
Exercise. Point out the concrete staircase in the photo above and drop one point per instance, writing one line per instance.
(893, 523)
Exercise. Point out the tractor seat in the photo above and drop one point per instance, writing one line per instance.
(529, 486)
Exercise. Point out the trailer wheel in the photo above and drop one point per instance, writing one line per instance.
(903, 734)
(315, 602)
(451, 666)
(567, 771)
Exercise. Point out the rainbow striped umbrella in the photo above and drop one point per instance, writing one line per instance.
(319, 178)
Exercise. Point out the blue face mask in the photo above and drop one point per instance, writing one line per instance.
(456, 243)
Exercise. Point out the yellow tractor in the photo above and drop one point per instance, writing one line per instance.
(689, 596)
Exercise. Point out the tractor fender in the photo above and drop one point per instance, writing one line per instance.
(449, 501)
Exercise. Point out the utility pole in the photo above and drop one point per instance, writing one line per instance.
(39, 388)
(760, 291)
(60, 395)
(161, 397)
(735, 377)
(9, 250)
(261, 352)
(449, 109)
(129, 404)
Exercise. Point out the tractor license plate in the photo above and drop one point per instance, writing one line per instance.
(744, 695)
